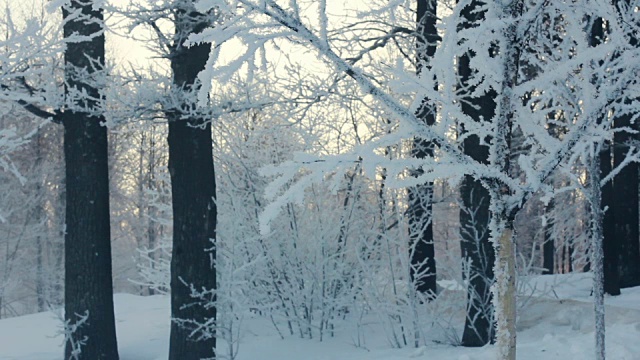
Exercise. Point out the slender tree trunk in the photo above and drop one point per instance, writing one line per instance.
(505, 294)
(141, 181)
(40, 288)
(420, 211)
(603, 242)
(193, 198)
(570, 257)
(548, 247)
(57, 298)
(151, 210)
(88, 282)
(597, 259)
(504, 289)
(40, 219)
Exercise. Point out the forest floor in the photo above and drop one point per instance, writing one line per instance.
(557, 323)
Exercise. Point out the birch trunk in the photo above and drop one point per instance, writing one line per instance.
(504, 288)
(597, 257)
(505, 295)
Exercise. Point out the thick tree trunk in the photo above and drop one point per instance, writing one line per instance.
(193, 198)
(479, 256)
(625, 207)
(88, 283)
(420, 211)
(625, 189)
(611, 245)
(477, 250)
(422, 251)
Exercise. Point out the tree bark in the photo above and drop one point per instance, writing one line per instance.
(88, 282)
(548, 248)
(505, 293)
(420, 212)
(39, 216)
(597, 259)
(611, 245)
(193, 200)
(151, 209)
(479, 255)
(504, 288)
(625, 207)
(477, 249)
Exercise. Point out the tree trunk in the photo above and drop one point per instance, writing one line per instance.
(193, 199)
(504, 288)
(625, 207)
(570, 257)
(505, 293)
(39, 216)
(599, 284)
(57, 296)
(88, 282)
(151, 210)
(603, 242)
(477, 250)
(478, 254)
(420, 211)
(548, 248)
(611, 245)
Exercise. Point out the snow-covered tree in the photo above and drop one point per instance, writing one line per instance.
(78, 107)
(497, 48)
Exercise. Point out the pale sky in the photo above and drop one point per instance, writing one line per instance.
(124, 50)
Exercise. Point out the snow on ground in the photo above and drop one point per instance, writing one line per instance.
(557, 323)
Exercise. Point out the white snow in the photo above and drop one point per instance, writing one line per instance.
(557, 324)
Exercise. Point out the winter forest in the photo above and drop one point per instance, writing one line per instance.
(319, 179)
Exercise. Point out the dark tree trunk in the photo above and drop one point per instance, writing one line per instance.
(193, 198)
(625, 189)
(589, 252)
(548, 248)
(478, 253)
(569, 258)
(477, 249)
(587, 264)
(88, 283)
(610, 244)
(422, 253)
(625, 207)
